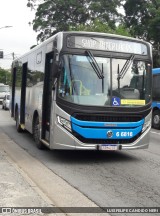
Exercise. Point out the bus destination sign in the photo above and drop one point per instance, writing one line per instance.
(107, 44)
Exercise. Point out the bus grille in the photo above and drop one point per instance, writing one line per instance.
(108, 118)
(106, 141)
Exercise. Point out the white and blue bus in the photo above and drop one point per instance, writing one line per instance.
(156, 98)
(80, 90)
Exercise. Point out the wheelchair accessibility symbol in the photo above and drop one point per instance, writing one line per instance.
(116, 101)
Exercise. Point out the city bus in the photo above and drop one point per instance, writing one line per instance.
(79, 91)
(156, 98)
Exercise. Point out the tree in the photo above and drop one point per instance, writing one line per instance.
(60, 15)
(5, 76)
(143, 20)
(99, 26)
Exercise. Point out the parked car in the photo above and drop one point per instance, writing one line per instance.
(6, 102)
(4, 89)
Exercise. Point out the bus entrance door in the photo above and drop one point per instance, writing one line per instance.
(47, 94)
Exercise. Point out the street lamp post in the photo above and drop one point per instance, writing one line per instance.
(2, 51)
(5, 27)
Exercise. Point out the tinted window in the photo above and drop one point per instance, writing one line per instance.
(156, 87)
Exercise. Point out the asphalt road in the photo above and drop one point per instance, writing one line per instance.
(110, 179)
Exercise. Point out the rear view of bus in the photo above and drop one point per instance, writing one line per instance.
(95, 92)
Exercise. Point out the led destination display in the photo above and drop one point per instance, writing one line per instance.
(107, 44)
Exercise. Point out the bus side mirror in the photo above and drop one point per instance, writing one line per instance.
(56, 69)
(56, 64)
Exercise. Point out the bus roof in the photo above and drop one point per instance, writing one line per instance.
(155, 70)
(50, 39)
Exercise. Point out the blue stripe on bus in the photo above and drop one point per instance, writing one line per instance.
(101, 133)
(98, 130)
(106, 124)
(156, 104)
(155, 70)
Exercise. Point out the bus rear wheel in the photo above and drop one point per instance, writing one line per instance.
(156, 119)
(36, 133)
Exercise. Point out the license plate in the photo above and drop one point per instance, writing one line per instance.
(109, 147)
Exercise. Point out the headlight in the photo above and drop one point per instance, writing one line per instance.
(146, 125)
(65, 123)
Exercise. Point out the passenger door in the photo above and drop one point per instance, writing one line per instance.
(47, 96)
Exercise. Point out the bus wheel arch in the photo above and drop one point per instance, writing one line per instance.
(156, 119)
(37, 131)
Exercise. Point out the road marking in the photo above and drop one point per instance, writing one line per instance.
(155, 133)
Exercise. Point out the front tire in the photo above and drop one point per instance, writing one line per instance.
(156, 119)
(36, 133)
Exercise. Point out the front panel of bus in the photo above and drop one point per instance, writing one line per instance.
(103, 97)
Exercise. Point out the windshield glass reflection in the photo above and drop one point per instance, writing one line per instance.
(80, 83)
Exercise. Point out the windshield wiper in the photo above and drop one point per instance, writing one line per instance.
(127, 64)
(94, 64)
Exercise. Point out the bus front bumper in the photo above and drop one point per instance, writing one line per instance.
(63, 139)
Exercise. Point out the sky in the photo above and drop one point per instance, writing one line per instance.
(20, 37)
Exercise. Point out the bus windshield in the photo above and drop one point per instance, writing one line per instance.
(104, 81)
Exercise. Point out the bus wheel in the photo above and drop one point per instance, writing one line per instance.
(156, 119)
(18, 127)
(36, 134)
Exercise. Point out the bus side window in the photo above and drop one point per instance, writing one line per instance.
(156, 89)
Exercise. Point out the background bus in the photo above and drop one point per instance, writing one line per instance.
(78, 90)
(156, 98)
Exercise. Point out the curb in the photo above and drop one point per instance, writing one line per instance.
(53, 189)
